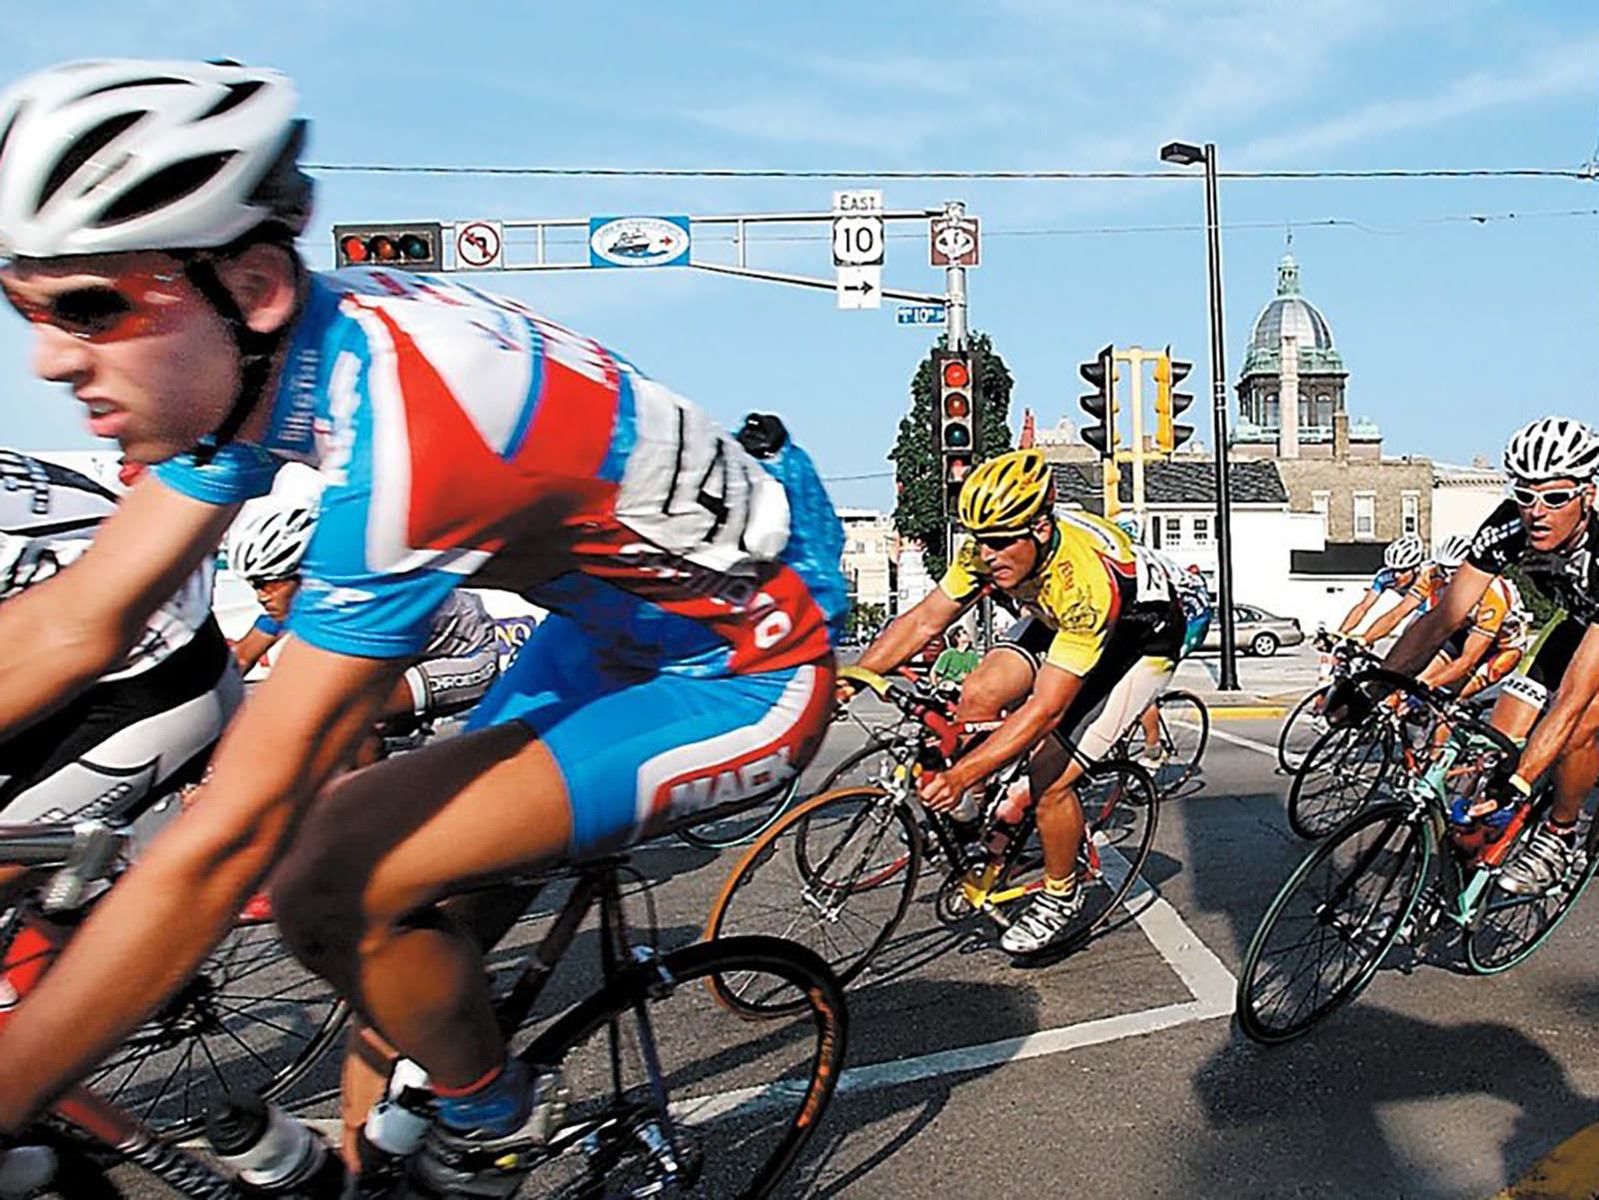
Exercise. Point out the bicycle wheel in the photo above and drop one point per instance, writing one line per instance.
(1507, 927)
(1184, 734)
(835, 875)
(1121, 806)
(250, 1018)
(875, 764)
(1301, 730)
(1339, 777)
(742, 826)
(669, 1096)
(1329, 927)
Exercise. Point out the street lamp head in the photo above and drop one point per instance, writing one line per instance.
(1182, 153)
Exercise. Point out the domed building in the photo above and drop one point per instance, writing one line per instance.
(1292, 394)
(1291, 391)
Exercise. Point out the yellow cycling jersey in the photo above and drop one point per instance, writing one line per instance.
(1078, 593)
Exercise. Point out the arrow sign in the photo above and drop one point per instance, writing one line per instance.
(860, 287)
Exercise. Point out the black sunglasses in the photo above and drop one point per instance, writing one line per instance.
(1000, 541)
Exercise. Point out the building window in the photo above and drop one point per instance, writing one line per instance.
(1172, 533)
(1201, 531)
(1270, 420)
(1321, 502)
(1409, 512)
(1365, 515)
(1324, 411)
(1152, 534)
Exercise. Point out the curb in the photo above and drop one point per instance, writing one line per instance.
(1568, 1172)
(1245, 712)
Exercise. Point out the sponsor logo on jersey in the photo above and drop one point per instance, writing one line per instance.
(747, 782)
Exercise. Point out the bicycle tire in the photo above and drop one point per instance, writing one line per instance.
(1292, 740)
(1507, 928)
(250, 1018)
(1184, 734)
(1347, 867)
(841, 897)
(741, 827)
(1121, 808)
(1330, 786)
(819, 1040)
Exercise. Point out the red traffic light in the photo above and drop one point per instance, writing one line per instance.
(354, 249)
(956, 374)
(412, 246)
(959, 468)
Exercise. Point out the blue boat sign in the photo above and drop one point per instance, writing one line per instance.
(638, 241)
(919, 314)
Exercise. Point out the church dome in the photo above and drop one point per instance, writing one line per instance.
(1290, 314)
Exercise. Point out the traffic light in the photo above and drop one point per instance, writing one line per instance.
(955, 426)
(1169, 372)
(1100, 373)
(415, 246)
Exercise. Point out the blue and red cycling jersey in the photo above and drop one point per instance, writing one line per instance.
(461, 435)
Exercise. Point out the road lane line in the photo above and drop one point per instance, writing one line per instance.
(1238, 739)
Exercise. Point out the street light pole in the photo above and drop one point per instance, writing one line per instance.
(1188, 155)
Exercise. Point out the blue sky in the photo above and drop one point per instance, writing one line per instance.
(1454, 330)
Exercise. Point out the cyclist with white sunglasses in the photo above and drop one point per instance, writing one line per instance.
(1546, 526)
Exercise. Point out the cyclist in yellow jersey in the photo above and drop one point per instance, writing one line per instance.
(1102, 622)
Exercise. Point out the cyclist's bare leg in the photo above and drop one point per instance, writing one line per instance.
(368, 1059)
(1151, 723)
(1052, 773)
(1513, 717)
(1577, 768)
(997, 684)
(357, 897)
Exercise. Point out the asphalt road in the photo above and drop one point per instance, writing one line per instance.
(1118, 1073)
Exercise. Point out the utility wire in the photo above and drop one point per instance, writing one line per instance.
(1586, 171)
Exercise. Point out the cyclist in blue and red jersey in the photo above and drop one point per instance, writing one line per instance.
(149, 212)
(1405, 571)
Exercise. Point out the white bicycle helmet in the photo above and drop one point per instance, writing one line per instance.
(1404, 553)
(126, 154)
(1553, 448)
(1452, 553)
(270, 544)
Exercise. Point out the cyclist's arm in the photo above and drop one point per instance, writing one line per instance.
(1389, 621)
(1458, 669)
(1421, 641)
(1577, 689)
(59, 637)
(247, 651)
(161, 919)
(1052, 694)
(910, 631)
(1357, 614)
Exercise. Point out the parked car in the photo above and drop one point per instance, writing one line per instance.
(1256, 631)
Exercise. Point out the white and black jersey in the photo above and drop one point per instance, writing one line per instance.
(1569, 577)
(48, 515)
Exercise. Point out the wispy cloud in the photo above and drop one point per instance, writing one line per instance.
(1572, 69)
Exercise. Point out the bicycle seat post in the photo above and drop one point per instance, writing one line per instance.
(94, 846)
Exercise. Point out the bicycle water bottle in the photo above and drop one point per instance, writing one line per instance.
(271, 1153)
(394, 1130)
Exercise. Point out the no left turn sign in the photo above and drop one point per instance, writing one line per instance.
(480, 246)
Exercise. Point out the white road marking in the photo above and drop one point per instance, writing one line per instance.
(1248, 743)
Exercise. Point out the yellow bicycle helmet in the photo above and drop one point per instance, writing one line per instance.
(1007, 493)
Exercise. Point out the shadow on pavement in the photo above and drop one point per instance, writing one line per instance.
(1310, 1110)
(849, 1146)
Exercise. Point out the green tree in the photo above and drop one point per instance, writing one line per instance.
(918, 475)
(864, 620)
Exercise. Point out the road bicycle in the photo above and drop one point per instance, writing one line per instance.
(1397, 871)
(1304, 725)
(838, 872)
(1183, 731)
(664, 1099)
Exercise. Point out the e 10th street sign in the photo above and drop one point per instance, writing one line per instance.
(919, 314)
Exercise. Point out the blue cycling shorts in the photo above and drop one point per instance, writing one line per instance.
(642, 753)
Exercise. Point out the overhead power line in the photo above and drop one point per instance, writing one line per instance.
(1586, 171)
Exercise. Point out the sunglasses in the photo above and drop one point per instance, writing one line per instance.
(258, 584)
(1550, 498)
(1000, 541)
(137, 304)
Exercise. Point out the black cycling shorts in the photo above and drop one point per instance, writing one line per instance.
(1556, 652)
